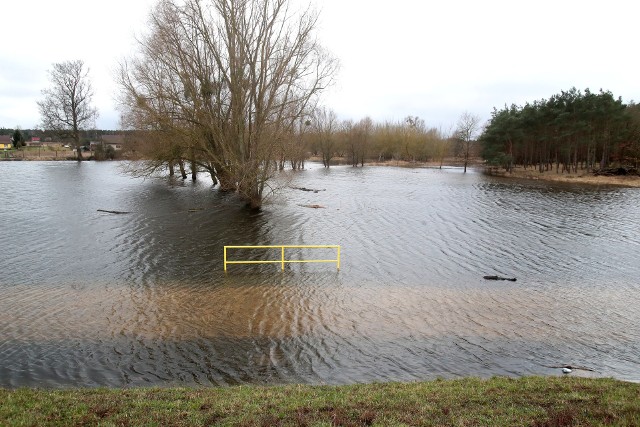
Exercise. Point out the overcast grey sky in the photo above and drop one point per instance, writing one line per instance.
(432, 59)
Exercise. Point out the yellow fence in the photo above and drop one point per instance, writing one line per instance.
(282, 259)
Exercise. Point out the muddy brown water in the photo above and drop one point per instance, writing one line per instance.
(89, 298)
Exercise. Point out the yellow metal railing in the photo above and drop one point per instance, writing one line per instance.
(282, 259)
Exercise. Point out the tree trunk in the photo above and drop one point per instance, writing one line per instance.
(226, 181)
(183, 173)
(194, 167)
(255, 198)
(604, 160)
(466, 154)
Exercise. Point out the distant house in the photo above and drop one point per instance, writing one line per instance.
(5, 142)
(114, 141)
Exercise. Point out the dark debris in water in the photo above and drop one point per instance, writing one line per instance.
(511, 279)
(114, 212)
(308, 189)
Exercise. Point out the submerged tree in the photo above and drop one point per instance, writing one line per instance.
(67, 105)
(224, 83)
(359, 137)
(466, 132)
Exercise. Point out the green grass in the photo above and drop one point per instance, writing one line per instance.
(566, 401)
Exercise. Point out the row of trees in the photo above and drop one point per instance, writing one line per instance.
(570, 130)
(325, 137)
(409, 140)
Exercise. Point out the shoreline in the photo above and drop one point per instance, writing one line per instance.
(582, 177)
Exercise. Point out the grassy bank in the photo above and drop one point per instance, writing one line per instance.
(499, 401)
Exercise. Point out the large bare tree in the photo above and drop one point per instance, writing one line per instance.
(67, 105)
(226, 80)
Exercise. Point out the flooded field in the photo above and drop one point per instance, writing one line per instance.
(89, 298)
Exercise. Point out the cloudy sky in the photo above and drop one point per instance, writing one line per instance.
(432, 59)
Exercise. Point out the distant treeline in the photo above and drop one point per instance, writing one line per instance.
(408, 140)
(568, 131)
(87, 135)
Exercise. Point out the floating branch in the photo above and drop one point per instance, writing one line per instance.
(500, 278)
(308, 189)
(113, 212)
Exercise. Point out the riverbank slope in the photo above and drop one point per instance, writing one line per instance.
(535, 401)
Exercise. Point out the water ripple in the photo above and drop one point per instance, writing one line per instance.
(94, 299)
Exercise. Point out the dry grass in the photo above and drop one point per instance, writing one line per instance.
(582, 177)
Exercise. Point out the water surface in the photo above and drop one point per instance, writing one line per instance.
(94, 299)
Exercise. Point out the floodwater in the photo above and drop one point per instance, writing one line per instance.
(89, 298)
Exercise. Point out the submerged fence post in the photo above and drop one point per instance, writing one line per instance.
(282, 258)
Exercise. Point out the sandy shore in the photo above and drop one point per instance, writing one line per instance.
(582, 177)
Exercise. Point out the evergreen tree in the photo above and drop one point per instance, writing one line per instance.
(570, 130)
(17, 139)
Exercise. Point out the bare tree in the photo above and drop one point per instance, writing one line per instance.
(362, 139)
(466, 132)
(295, 146)
(66, 108)
(230, 78)
(325, 123)
(414, 138)
(300, 146)
(441, 144)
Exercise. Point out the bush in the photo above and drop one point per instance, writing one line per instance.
(104, 152)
